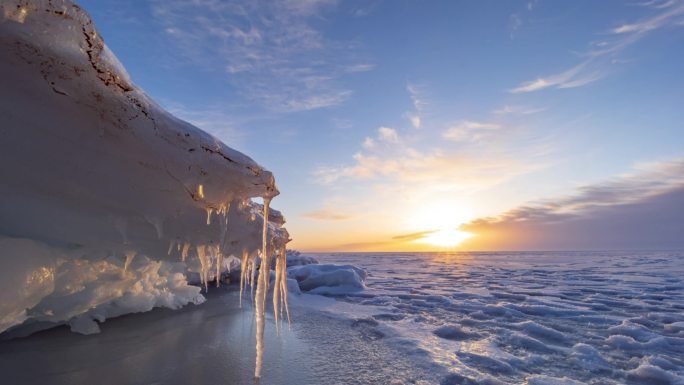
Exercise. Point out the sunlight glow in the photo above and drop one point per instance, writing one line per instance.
(445, 238)
(444, 218)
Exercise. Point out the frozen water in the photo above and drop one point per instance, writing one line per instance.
(528, 318)
(328, 279)
(209, 344)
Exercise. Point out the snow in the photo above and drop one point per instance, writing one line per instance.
(455, 333)
(109, 203)
(525, 318)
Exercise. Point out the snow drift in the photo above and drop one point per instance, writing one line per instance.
(106, 198)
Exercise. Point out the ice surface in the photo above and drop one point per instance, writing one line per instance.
(526, 318)
(328, 279)
(109, 204)
(209, 344)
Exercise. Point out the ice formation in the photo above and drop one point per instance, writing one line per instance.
(109, 204)
(328, 279)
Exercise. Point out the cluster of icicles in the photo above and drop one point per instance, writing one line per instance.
(205, 254)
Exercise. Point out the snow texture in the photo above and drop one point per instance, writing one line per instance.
(563, 318)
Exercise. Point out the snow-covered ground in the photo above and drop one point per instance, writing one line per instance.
(527, 318)
(532, 318)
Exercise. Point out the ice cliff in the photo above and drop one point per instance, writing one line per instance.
(107, 202)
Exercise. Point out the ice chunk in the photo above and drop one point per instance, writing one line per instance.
(328, 279)
(103, 172)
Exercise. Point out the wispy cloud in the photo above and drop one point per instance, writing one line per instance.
(413, 236)
(597, 62)
(387, 134)
(639, 204)
(468, 130)
(270, 50)
(417, 94)
(574, 77)
(517, 110)
(326, 214)
(212, 119)
(415, 120)
(397, 163)
(673, 8)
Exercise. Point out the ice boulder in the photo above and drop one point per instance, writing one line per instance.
(328, 279)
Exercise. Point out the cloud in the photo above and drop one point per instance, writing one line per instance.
(514, 22)
(468, 130)
(413, 236)
(419, 103)
(417, 95)
(598, 61)
(354, 68)
(658, 4)
(636, 210)
(574, 77)
(517, 110)
(414, 119)
(400, 166)
(212, 119)
(326, 214)
(387, 134)
(273, 52)
(655, 22)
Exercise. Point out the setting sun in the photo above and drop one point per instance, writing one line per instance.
(445, 238)
(439, 223)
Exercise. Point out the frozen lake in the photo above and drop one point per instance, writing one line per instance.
(427, 318)
(538, 318)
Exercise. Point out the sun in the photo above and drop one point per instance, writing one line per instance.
(445, 238)
(440, 221)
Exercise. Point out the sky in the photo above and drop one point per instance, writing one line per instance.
(433, 125)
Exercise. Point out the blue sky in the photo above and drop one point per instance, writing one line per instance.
(389, 122)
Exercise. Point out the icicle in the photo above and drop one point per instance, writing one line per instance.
(283, 286)
(244, 270)
(252, 269)
(184, 252)
(209, 212)
(223, 222)
(171, 245)
(129, 258)
(218, 269)
(201, 254)
(262, 291)
(276, 290)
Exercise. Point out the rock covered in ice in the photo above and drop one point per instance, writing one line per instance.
(328, 279)
(105, 196)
